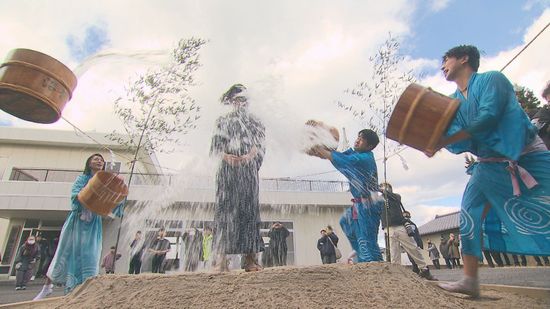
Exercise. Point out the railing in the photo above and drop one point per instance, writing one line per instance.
(266, 184)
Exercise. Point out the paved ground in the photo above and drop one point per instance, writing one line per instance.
(519, 276)
(535, 276)
(8, 294)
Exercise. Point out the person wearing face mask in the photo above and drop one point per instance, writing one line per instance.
(78, 252)
(29, 254)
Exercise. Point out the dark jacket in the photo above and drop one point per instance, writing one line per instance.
(444, 248)
(432, 250)
(27, 256)
(543, 116)
(394, 210)
(416, 235)
(325, 245)
(44, 248)
(277, 238)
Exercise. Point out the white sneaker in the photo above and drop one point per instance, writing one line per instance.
(46, 290)
(32, 278)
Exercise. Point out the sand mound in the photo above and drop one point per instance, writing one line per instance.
(373, 285)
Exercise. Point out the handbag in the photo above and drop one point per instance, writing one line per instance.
(336, 250)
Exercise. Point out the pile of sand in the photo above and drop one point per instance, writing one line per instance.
(372, 285)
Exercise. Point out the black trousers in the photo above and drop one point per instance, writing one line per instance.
(436, 263)
(328, 259)
(157, 263)
(135, 265)
(539, 262)
(279, 257)
(448, 262)
(516, 260)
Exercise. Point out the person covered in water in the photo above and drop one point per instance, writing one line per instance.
(238, 143)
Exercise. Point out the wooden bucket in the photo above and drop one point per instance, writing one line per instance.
(34, 86)
(321, 134)
(103, 192)
(421, 117)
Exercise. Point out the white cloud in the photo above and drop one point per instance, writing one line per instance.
(438, 5)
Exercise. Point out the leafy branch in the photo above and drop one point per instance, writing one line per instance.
(157, 105)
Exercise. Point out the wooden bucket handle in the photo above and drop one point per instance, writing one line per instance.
(408, 118)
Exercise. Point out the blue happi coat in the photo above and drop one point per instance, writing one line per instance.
(517, 216)
(360, 223)
(78, 253)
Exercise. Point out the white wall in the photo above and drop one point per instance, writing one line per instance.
(51, 157)
(3, 232)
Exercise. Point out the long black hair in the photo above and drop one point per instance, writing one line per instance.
(87, 169)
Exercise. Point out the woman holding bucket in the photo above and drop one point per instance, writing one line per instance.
(78, 253)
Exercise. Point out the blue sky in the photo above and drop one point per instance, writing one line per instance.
(492, 26)
(95, 38)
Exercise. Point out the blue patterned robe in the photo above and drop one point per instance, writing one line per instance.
(516, 222)
(361, 221)
(78, 253)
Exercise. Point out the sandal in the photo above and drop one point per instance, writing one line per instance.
(251, 264)
(222, 265)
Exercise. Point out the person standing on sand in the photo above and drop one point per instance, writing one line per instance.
(238, 144)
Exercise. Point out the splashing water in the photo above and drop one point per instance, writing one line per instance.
(154, 57)
(184, 204)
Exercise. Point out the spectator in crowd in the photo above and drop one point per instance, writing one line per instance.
(192, 249)
(25, 262)
(137, 248)
(207, 239)
(397, 221)
(434, 254)
(277, 243)
(454, 251)
(159, 248)
(444, 249)
(41, 270)
(411, 226)
(541, 119)
(326, 245)
(109, 261)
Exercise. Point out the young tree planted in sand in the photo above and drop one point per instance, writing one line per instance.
(378, 95)
(157, 109)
